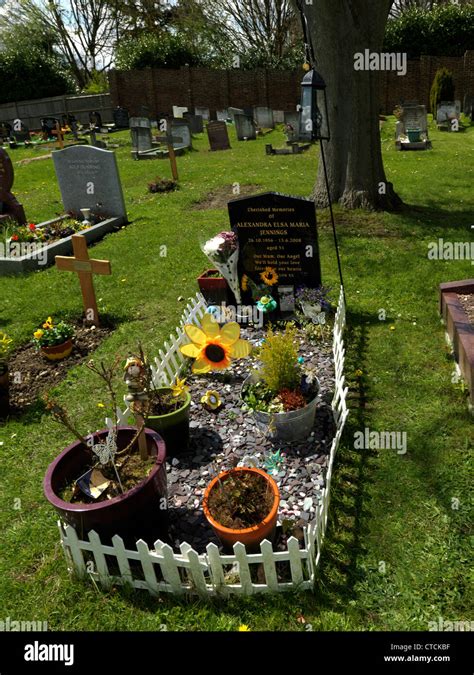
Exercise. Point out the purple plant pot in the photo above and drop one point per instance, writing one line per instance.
(140, 513)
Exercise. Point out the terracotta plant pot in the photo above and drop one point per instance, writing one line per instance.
(251, 537)
(57, 352)
(4, 391)
(140, 513)
(214, 289)
(173, 427)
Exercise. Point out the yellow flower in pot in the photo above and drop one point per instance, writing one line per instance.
(54, 341)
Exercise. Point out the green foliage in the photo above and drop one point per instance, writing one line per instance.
(444, 31)
(279, 357)
(442, 88)
(158, 51)
(97, 84)
(52, 334)
(29, 72)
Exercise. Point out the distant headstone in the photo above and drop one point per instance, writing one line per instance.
(245, 128)
(218, 135)
(48, 126)
(5, 131)
(279, 116)
(234, 111)
(95, 119)
(292, 125)
(222, 115)
(88, 177)
(264, 117)
(448, 111)
(21, 132)
(9, 206)
(140, 132)
(181, 129)
(121, 118)
(204, 112)
(278, 232)
(195, 122)
(178, 110)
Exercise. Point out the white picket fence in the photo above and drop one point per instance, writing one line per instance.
(161, 570)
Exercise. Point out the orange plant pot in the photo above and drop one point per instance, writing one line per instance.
(251, 537)
(57, 352)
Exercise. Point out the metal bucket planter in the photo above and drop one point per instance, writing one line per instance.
(173, 427)
(140, 513)
(295, 425)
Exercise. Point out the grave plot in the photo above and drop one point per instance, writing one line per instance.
(93, 201)
(457, 311)
(412, 128)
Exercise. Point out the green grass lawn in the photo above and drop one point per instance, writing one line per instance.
(396, 554)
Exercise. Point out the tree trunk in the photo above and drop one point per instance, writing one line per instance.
(339, 29)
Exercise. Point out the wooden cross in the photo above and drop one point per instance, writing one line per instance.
(85, 268)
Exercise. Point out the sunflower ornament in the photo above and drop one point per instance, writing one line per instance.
(211, 400)
(213, 346)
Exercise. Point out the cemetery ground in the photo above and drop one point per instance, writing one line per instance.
(396, 552)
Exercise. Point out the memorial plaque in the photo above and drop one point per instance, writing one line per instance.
(218, 136)
(277, 232)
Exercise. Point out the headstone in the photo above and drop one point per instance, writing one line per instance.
(95, 119)
(21, 132)
(245, 128)
(468, 106)
(121, 118)
(447, 111)
(71, 121)
(279, 232)
(181, 129)
(178, 111)
(48, 126)
(292, 125)
(195, 122)
(9, 206)
(234, 111)
(222, 115)
(218, 135)
(204, 112)
(279, 116)
(5, 131)
(88, 177)
(140, 132)
(264, 117)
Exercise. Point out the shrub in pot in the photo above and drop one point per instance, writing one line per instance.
(113, 481)
(241, 505)
(54, 341)
(282, 395)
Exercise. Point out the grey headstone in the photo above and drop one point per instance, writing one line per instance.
(414, 117)
(140, 132)
(222, 115)
(278, 116)
(180, 128)
(179, 110)
(234, 111)
(204, 112)
(88, 177)
(196, 123)
(264, 117)
(292, 123)
(245, 128)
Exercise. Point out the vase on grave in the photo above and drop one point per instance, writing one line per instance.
(86, 215)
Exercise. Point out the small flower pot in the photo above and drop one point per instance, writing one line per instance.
(140, 513)
(4, 391)
(214, 289)
(295, 425)
(57, 352)
(173, 427)
(251, 537)
(414, 135)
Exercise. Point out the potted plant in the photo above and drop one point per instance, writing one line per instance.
(241, 505)
(214, 287)
(313, 301)
(282, 396)
(102, 482)
(5, 346)
(54, 341)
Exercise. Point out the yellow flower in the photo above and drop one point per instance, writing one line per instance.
(100, 405)
(212, 346)
(269, 276)
(178, 389)
(358, 372)
(48, 323)
(244, 283)
(211, 400)
(244, 628)
(392, 327)
(5, 342)
(38, 333)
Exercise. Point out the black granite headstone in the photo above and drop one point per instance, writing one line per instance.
(277, 232)
(121, 118)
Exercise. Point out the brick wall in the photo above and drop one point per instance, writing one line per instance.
(160, 88)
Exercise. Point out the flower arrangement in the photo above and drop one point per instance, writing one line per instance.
(283, 384)
(213, 346)
(262, 293)
(314, 296)
(223, 252)
(52, 334)
(57, 230)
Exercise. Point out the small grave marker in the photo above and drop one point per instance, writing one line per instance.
(85, 268)
(218, 135)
